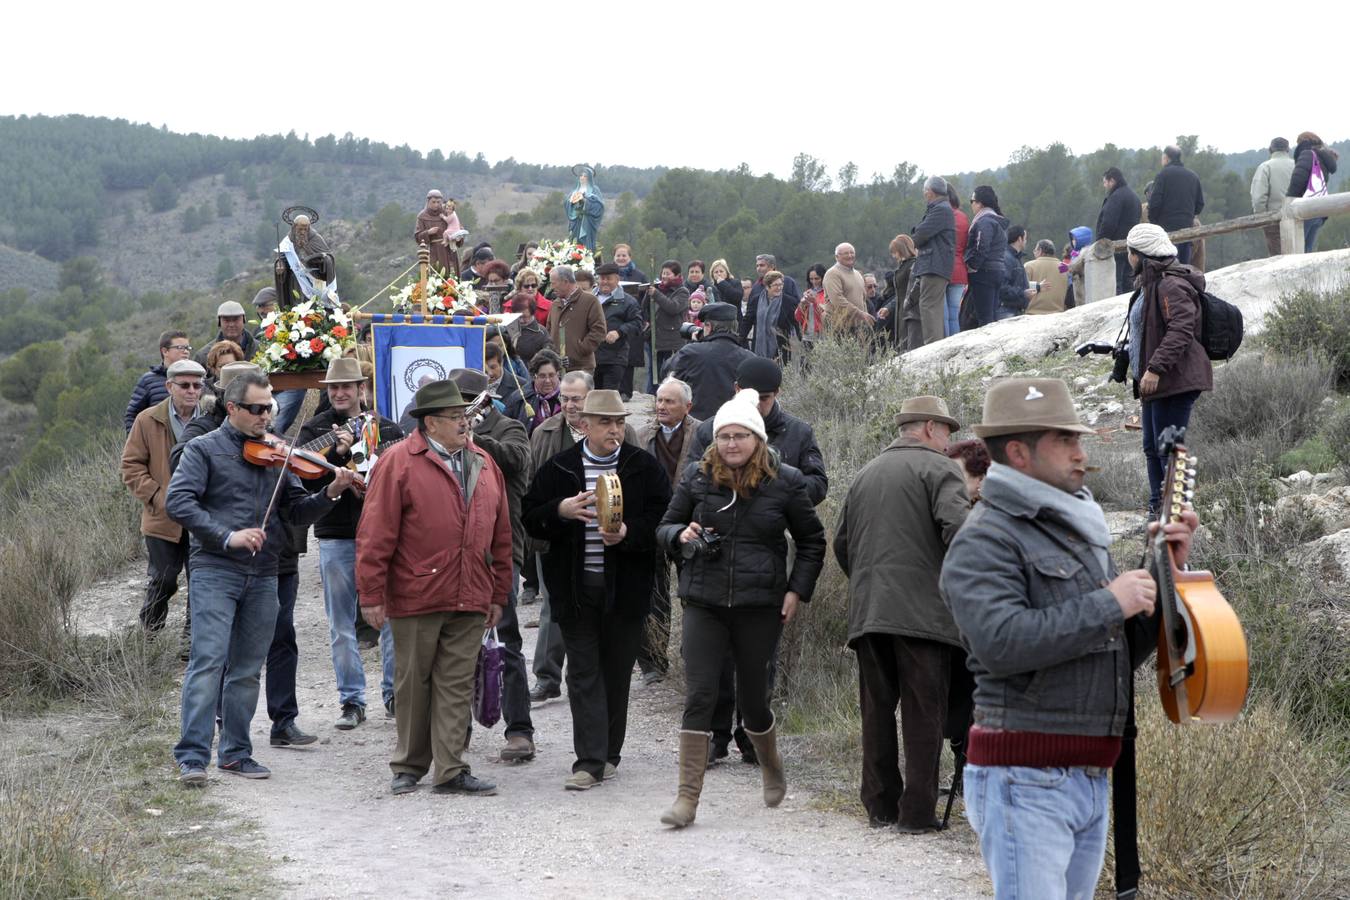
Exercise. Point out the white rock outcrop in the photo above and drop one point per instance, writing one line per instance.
(1253, 286)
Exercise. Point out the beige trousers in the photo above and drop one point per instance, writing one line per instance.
(434, 660)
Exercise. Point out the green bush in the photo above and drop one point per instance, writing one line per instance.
(1313, 321)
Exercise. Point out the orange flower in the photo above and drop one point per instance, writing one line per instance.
(270, 331)
(290, 351)
(316, 344)
(338, 332)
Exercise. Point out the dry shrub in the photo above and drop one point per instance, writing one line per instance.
(1121, 481)
(56, 840)
(1237, 810)
(78, 524)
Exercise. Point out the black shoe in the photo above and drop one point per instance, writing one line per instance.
(403, 783)
(880, 822)
(528, 597)
(922, 828)
(466, 783)
(292, 736)
(389, 708)
(352, 715)
(540, 692)
(717, 750)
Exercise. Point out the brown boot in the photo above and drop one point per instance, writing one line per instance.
(693, 762)
(770, 764)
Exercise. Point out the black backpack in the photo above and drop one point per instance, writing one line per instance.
(1220, 326)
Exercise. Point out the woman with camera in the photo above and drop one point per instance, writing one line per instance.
(727, 522)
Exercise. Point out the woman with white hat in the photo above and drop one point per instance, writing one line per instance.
(1168, 365)
(727, 521)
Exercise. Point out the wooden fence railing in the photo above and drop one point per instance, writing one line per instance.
(1099, 269)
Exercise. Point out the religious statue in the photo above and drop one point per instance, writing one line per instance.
(585, 207)
(304, 267)
(438, 227)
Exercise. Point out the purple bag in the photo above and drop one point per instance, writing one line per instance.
(487, 682)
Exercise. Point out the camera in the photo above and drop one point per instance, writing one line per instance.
(706, 544)
(1120, 352)
(1094, 347)
(691, 331)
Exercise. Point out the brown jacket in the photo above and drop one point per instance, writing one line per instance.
(901, 513)
(1054, 285)
(584, 321)
(647, 437)
(845, 298)
(145, 470)
(1171, 339)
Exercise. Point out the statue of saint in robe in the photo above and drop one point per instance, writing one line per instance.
(438, 227)
(585, 207)
(305, 268)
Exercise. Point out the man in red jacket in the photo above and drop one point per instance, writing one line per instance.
(433, 555)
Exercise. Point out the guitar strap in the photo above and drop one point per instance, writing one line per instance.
(1124, 807)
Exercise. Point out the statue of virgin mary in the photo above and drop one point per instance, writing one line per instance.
(585, 207)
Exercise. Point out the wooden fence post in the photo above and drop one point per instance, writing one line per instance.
(1291, 228)
(1099, 272)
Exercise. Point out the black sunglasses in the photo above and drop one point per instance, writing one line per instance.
(256, 409)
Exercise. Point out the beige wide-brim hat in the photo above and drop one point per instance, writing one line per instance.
(1018, 405)
(342, 370)
(926, 409)
(230, 371)
(604, 403)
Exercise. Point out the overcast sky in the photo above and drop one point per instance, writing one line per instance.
(949, 86)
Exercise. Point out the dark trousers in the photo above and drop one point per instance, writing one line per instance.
(515, 683)
(1184, 253)
(283, 657)
(960, 711)
(1158, 415)
(984, 297)
(166, 562)
(751, 635)
(913, 674)
(654, 655)
(531, 573)
(626, 381)
(609, 376)
(654, 368)
(1124, 274)
(601, 649)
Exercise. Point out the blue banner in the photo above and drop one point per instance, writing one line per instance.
(413, 350)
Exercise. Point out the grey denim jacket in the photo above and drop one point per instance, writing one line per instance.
(1048, 645)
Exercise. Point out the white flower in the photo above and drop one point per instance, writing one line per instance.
(269, 319)
(332, 352)
(303, 309)
(276, 351)
(303, 350)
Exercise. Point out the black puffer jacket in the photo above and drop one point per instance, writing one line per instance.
(1303, 161)
(709, 366)
(986, 248)
(621, 315)
(795, 441)
(751, 568)
(1011, 290)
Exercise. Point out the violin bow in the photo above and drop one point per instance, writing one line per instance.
(281, 476)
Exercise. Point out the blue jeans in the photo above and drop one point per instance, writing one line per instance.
(1310, 229)
(954, 294)
(1004, 313)
(1184, 253)
(288, 407)
(1042, 831)
(1157, 415)
(386, 663)
(234, 616)
(337, 566)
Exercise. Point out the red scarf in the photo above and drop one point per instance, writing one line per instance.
(671, 285)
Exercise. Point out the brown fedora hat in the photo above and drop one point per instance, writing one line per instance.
(604, 403)
(342, 370)
(1029, 404)
(924, 409)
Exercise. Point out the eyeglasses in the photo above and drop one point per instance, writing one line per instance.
(735, 438)
(186, 348)
(449, 417)
(187, 385)
(256, 409)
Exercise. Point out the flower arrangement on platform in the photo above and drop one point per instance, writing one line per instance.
(303, 338)
(444, 295)
(561, 253)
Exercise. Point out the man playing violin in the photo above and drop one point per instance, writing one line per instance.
(345, 385)
(1055, 633)
(237, 535)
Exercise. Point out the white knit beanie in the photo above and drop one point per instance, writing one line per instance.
(743, 409)
(1150, 240)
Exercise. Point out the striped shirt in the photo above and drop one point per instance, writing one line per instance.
(594, 466)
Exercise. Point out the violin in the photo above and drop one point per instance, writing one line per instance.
(271, 452)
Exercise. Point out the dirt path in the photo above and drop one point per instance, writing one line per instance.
(328, 819)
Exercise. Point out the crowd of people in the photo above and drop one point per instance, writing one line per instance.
(982, 604)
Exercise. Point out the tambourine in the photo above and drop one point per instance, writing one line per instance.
(609, 503)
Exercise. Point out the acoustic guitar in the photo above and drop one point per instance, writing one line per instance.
(1202, 652)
